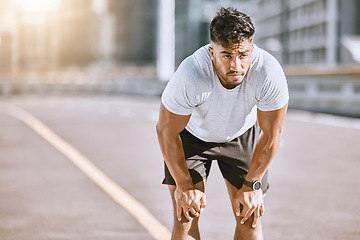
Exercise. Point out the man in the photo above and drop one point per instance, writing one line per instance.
(226, 102)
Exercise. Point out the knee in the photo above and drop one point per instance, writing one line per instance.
(247, 226)
(246, 230)
(186, 229)
(184, 221)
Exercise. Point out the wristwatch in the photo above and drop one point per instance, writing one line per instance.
(253, 185)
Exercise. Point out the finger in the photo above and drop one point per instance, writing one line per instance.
(178, 212)
(203, 202)
(196, 203)
(256, 217)
(237, 209)
(194, 212)
(187, 215)
(197, 207)
(262, 210)
(247, 214)
(244, 209)
(186, 199)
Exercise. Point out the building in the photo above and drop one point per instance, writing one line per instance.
(308, 32)
(87, 32)
(37, 40)
(6, 34)
(77, 33)
(135, 30)
(76, 26)
(28, 39)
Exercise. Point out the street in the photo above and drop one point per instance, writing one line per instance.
(44, 195)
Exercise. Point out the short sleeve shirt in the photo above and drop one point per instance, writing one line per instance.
(219, 114)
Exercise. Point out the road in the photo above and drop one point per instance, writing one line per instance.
(45, 195)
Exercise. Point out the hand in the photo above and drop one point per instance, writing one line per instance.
(191, 201)
(252, 203)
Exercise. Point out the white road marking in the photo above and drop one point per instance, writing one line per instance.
(118, 194)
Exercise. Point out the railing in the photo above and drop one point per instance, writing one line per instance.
(334, 91)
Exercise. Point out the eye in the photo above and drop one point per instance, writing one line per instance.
(227, 56)
(244, 56)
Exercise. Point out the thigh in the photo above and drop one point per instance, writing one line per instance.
(198, 158)
(236, 157)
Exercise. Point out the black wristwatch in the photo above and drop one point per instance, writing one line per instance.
(253, 185)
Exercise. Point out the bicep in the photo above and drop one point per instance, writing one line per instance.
(271, 122)
(171, 123)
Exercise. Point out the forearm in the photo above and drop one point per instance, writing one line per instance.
(264, 153)
(173, 153)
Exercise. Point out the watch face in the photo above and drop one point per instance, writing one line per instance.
(257, 185)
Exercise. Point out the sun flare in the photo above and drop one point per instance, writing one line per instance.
(37, 5)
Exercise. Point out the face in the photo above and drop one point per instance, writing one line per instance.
(231, 63)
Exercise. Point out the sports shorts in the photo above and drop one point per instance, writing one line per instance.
(233, 157)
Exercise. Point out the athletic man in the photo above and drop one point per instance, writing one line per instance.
(226, 102)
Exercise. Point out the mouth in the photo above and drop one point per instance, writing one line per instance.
(236, 74)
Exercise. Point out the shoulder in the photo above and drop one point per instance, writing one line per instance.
(191, 84)
(266, 65)
(203, 59)
(198, 64)
(271, 89)
(196, 69)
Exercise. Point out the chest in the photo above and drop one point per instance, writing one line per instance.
(227, 104)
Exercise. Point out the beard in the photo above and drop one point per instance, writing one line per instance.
(226, 78)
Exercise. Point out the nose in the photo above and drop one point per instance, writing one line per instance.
(236, 64)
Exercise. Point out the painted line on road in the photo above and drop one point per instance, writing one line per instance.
(118, 194)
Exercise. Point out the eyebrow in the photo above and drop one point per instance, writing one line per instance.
(230, 53)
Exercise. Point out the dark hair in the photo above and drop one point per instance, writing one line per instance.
(230, 26)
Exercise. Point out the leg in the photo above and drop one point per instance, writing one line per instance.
(244, 231)
(185, 229)
(198, 157)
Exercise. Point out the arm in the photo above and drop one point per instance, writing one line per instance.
(168, 128)
(271, 123)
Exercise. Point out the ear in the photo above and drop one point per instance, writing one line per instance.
(211, 50)
(252, 45)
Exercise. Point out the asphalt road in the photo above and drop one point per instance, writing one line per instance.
(314, 179)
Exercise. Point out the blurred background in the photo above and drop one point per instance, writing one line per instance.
(93, 71)
(113, 46)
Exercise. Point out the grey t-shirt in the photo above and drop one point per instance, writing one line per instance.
(219, 114)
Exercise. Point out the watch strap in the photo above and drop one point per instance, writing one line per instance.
(253, 185)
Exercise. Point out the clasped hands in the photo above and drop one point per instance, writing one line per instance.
(190, 202)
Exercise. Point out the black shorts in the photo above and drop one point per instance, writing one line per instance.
(233, 157)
